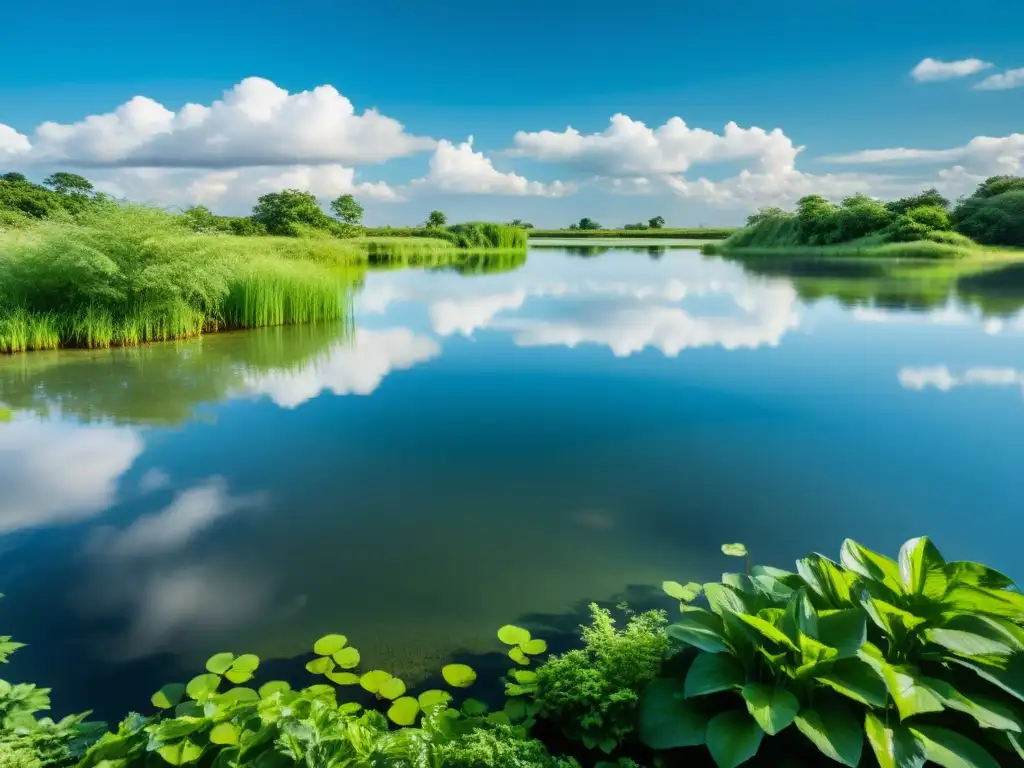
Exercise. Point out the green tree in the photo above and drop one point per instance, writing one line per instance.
(928, 198)
(658, 222)
(996, 220)
(12, 177)
(588, 224)
(280, 212)
(521, 224)
(436, 219)
(348, 210)
(638, 225)
(997, 185)
(65, 183)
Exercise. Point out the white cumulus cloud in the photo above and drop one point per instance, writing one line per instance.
(55, 472)
(930, 70)
(985, 155)
(255, 123)
(630, 148)
(460, 169)
(1003, 81)
(357, 368)
(12, 143)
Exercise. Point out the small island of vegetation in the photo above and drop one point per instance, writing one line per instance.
(654, 227)
(80, 269)
(924, 226)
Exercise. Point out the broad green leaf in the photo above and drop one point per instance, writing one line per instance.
(342, 678)
(800, 616)
(473, 708)
(247, 662)
(713, 672)
(895, 622)
(951, 750)
(772, 708)
(458, 675)
(219, 663)
(320, 665)
(683, 592)
(734, 550)
(845, 630)
(830, 582)
(856, 680)
(517, 655)
(834, 731)
(1009, 676)
(182, 753)
(274, 686)
(346, 658)
(238, 676)
(224, 733)
(700, 629)
(733, 738)
(534, 647)
(202, 687)
(665, 720)
(403, 712)
(987, 712)
(428, 700)
(515, 709)
(391, 689)
(871, 565)
(922, 569)
(790, 579)
(172, 730)
(967, 643)
(524, 676)
(965, 598)
(350, 707)
(724, 599)
(768, 630)
(813, 653)
(329, 644)
(239, 696)
(909, 691)
(740, 582)
(996, 628)
(775, 590)
(976, 575)
(893, 747)
(374, 679)
(512, 635)
(167, 697)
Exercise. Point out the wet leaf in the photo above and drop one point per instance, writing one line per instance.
(320, 666)
(346, 658)
(224, 733)
(168, 696)
(374, 679)
(342, 678)
(512, 635)
(219, 663)
(202, 686)
(247, 662)
(238, 676)
(517, 655)
(534, 647)
(734, 550)
(274, 686)
(459, 675)
(682, 592)
(433, 698)
(350, 707)
(404, 711)
(329, 644)
(391, 689)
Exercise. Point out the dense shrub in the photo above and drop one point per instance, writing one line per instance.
(928, 198)
(993, 219)
(931, 216)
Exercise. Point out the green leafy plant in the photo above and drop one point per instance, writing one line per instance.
(922, 658)
(591, 693)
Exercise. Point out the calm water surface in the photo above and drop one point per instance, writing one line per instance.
(478, 449)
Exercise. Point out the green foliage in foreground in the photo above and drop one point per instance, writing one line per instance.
(867, 661)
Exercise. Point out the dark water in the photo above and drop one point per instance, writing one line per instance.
(476, 449)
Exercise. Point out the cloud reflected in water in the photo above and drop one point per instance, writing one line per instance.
(941, 378)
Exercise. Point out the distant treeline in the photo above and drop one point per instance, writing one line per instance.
(689, 234)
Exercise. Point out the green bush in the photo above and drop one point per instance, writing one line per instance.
(928, 199)
(591, 693)
(931, 216)
(992, 220)
(920, 657)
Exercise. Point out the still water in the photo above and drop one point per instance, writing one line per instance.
(477, 449)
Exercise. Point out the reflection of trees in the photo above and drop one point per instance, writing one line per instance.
(893, 284)
(157, 383)
(482, 263)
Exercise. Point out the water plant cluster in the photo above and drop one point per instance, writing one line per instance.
(926, 225)
(865, 661)
(79, 269)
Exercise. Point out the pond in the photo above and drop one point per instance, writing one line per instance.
(476, 448)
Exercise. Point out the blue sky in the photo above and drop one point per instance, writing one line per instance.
(834, 79)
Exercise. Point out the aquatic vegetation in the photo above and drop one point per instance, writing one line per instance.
(719, 233)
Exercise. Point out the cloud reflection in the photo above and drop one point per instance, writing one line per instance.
(941, 378)
(357, 369)
(54, 472)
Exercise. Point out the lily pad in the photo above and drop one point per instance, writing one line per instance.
(374, 679)
(247, 662)
(202, 687)
(329, 644)
(433, 698)
(238, 676)
(473, 708)
(734, 550)
(459, 675)
(224, 733)
(524, 676)
(181, 753)
(517, 655)
(168, 696)
(320, 666)
(274, 686)
(513, 635)
(346, 658)
(239, 696)
(682, 592)
(342, 678)
(350, 707)
(391, 689)
(404, 711)
(534, 647)
(219, 663)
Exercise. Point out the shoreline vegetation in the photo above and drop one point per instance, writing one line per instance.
(647, 234)
(860, 661)
(988, 225)
(78, 269)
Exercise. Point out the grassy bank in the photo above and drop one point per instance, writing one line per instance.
(123, 275)
(855, 661)
(646, 234)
